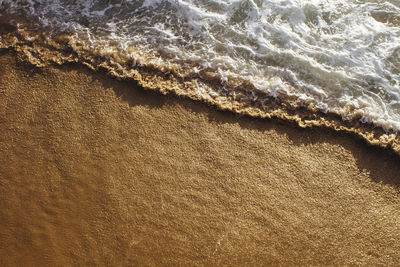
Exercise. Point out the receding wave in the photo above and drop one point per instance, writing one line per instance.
(320, 63)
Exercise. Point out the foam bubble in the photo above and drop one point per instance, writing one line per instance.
(338, 56)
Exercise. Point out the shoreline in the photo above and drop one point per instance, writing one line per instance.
(64, 49)
(99, 171)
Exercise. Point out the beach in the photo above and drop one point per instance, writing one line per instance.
(98, 171)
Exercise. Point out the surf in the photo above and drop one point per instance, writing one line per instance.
(319, 63)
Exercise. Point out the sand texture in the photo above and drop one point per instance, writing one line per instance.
(96, 171)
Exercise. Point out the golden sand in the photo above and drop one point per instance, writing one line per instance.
(96, 171)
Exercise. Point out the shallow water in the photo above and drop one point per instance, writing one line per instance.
(339, 57)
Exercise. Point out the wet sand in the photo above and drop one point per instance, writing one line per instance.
(96, 171)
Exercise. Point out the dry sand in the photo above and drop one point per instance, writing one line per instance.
(96, 171)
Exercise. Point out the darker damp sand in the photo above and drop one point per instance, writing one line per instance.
(97, 171)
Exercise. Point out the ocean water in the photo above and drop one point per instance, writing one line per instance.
(328, 57)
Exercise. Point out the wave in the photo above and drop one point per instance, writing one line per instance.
(213, 52)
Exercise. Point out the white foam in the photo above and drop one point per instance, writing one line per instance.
(334, 54)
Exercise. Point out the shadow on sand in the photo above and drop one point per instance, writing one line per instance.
(374, 160)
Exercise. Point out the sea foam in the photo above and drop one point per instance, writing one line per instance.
(332, 57)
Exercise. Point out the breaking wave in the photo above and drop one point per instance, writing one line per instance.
(328, 63)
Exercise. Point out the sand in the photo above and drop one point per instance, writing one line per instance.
(96, 171)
